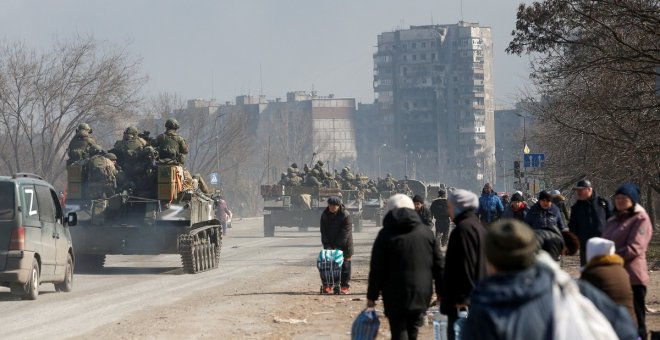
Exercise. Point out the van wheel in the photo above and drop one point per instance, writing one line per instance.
(67, 284)
(30, 290)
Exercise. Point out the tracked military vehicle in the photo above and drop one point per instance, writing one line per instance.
(301, 207)
(176, 219)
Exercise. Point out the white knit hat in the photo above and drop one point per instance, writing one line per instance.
(464, 199)
(399, 201)
(597, 246)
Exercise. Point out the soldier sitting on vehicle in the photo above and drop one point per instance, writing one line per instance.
(101, 176)
(127, 148)
(294, 179)
(82, 145)
(171, 147)
(145, 180)
(312, 180)
(284, 180)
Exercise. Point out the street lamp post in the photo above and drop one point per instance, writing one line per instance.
(380, 149)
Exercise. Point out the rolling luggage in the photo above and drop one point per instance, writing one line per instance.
(329, 263)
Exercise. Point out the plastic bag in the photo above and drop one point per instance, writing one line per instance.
(575, 316)
(365, 326)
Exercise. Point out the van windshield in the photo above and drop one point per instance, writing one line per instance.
(7, 204)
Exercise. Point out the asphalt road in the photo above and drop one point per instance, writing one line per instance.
(130, 285)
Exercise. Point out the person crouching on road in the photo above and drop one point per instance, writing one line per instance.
(423, 211)
(337, 233)
(405, 260)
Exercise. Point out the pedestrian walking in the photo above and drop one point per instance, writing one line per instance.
(423, 211)
(405, 261)
(525, 295)
(545, 219)
(560, 201)
(490, 206)
(604, 270)
(588, 215)
(441, 215)
(631, 230)
(337, 233)
(517, 209)
(465, 264)
(223, 213)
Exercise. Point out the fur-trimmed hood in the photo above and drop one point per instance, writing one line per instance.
(606, 260)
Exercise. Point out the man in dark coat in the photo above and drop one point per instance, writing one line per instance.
(588, 215)
(441, 215)
(337, 233)
(515, 300)
(517, 209)
(546, 221)
(405, 260)
(465, 263)
(423, 211)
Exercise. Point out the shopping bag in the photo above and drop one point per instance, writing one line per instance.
(365, 326)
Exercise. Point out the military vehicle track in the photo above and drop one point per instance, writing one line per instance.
(200, 251)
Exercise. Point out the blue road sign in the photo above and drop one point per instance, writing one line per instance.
(215, 178)
(534, 160)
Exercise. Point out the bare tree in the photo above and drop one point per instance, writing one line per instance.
(45, 95)
(594, 66)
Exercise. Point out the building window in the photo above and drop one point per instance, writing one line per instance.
(433, 56)
(423, 45)
(414, 45)
(405, 57)
(422, 56)
(414, 57)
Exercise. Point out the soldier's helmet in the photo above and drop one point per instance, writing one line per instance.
(320, 163)
(84, 127)
(131, 131)
(111, 156)
(294, 165)
(172, 124)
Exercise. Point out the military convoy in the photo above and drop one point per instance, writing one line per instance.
(160, 209)
(299, 199)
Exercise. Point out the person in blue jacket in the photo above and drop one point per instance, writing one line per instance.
(490, 206)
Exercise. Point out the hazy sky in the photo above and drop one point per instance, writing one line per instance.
(300, 45)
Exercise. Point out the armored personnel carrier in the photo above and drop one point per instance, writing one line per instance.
(301, 207)
(177, 219)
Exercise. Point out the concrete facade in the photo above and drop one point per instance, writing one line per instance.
(434, 93)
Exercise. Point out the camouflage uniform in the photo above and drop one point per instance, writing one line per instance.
(312, 180)
(101, 178)
(170, 145)
(82, 146)
(127, 150)
(145, 180)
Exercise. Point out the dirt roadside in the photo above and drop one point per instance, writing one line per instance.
(280, 302)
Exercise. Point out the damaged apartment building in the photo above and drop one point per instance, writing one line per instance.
(434, 97)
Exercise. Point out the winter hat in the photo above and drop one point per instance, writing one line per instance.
(544, 195)
(399, 201)
(442, 193)
(555, 192)
(334, 200)
(631, 190)
(519, 193)
(510, 245)
(597, 246)
(418, 199)
(463, 200)
(517, 198)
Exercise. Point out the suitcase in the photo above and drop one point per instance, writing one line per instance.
(329, 263)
